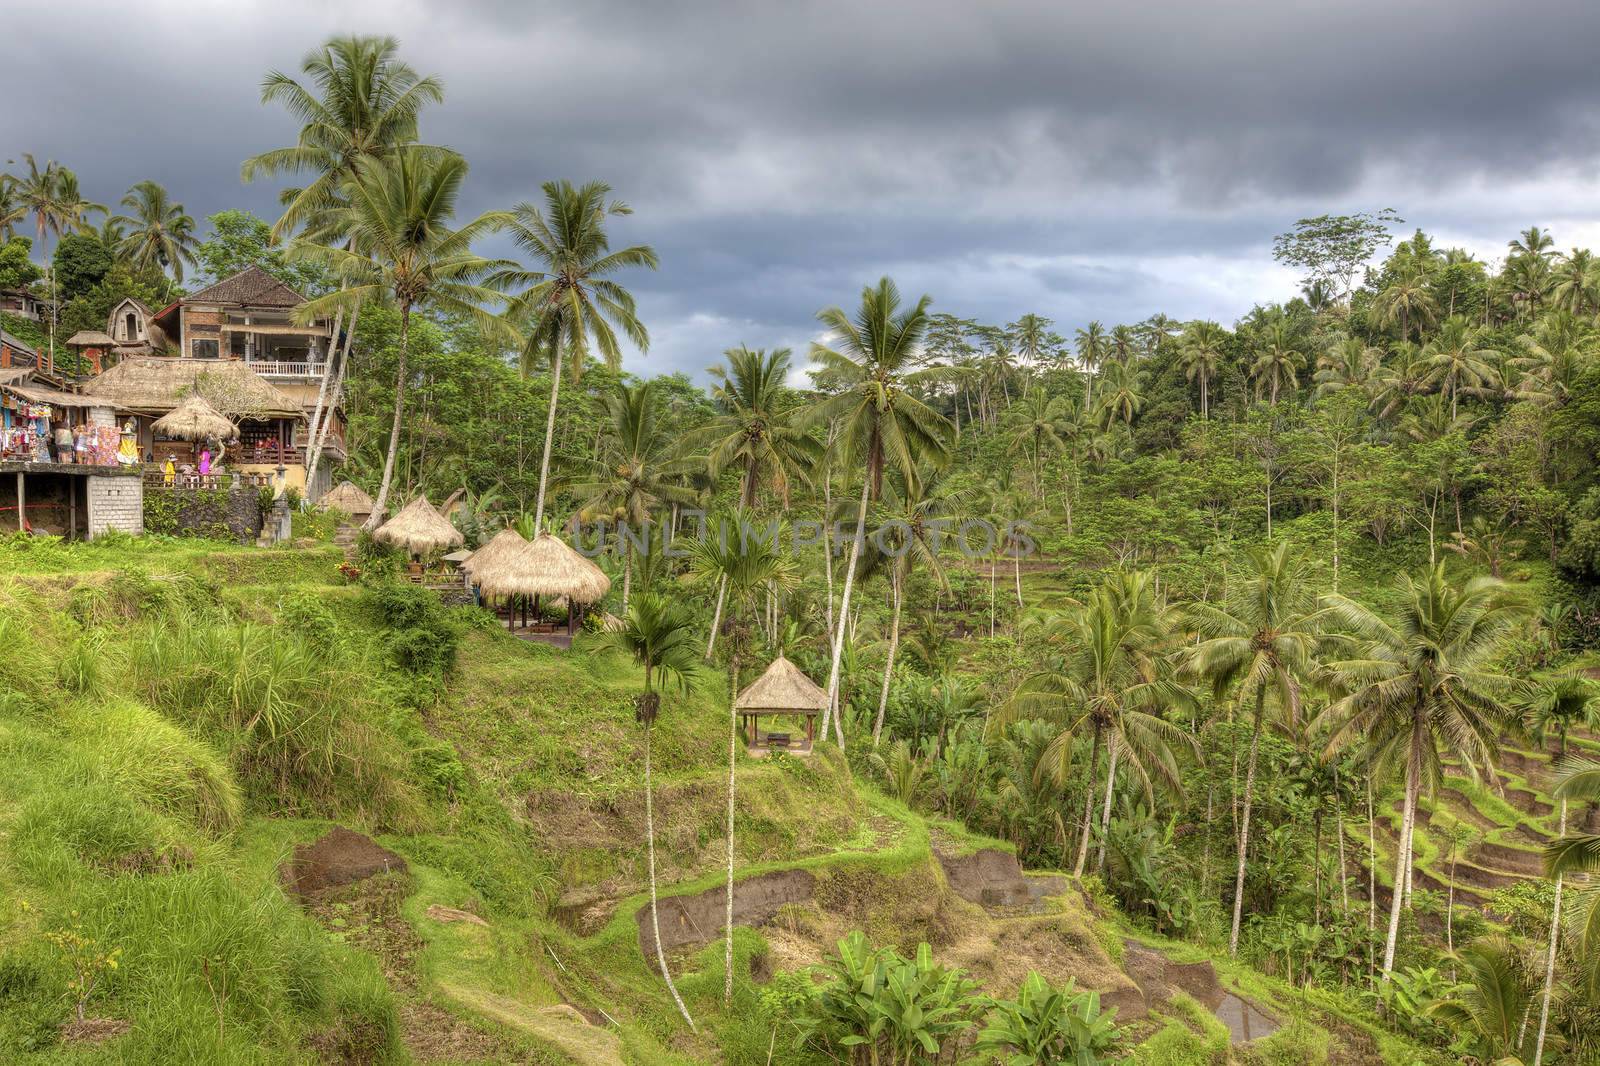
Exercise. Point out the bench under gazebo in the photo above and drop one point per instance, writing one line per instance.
(782, 691)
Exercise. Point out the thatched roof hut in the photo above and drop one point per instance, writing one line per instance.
(503, 567)
(194, 419)
(782, 689)
(346, 497)
(90, 338)
(419, 529)
(154, 385)
(555, 569)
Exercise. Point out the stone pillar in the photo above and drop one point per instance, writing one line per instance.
(115, 502)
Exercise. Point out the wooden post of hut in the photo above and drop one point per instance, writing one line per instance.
(781, 690)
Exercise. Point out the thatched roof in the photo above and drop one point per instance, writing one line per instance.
(154, 385)
(90, 338)
(556, 570)
(348, 498)
(194, 419)
(782, 688)
(504, 566)
(419, 529)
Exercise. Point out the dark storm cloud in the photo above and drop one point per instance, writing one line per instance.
(1104, 161)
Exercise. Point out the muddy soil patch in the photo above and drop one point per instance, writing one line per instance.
(340, 857)
(1499, 857)
(698, 919)
(1159, 979)
(988, 877)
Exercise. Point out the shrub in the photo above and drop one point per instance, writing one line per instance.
(419, 632)
(1044, 1025)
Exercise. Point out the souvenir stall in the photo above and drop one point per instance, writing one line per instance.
(25, 431)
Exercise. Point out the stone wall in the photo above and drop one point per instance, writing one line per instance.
(221, 514)
(115, 503)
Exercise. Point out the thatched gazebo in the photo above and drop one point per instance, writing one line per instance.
(347, 497)
(419, 529)
(782, 689)
(503, 571)
(194, 419)
(553, 569)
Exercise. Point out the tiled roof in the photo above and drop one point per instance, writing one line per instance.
(251, 287)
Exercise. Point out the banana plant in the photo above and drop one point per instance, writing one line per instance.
(1044, 1026)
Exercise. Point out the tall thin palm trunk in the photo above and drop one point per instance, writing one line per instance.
(833, 709)
(317, 439)
(716, 617)
(888, 666)
(1244, 824)
(650, 837)
(1403, 858)
(1105, 810)
(1550, 957)
(380, 505)
(1088, 804)
(549, 441)
(733, 764)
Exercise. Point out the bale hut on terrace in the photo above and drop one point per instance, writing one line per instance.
(782, 689)
(348, 498)
(419, 529)
(194, 419)
(550, 569)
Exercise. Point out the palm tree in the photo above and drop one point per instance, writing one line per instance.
(1203, 347)
(1265, 640)
(1347, 363)
(570, 296)
(1560, 348)
(12, 209)
(1577, 282)
(400, 250)
(881, 422)
(1577, 854)
(1491, 1004)
(1555, 703)
(50, 194)
(658, 635)
(1091, 345)
(1278, 362)
(1532, 243)
(360, 101)
(161, 234)
(1125, 344)
(637, 473)
(1036, 428)
(1031, 335)
(1455, 359)
(1110, 676)
(1407, 300)
(1419, 685)
(1123, 395)
(744, 564)
(758, 431)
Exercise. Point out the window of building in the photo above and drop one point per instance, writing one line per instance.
(130, 327)
(204, 349)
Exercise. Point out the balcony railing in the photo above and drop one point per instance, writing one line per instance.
(272, 368)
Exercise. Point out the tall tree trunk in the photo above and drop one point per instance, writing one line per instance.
(733, 753)
(888, 666)
(380, 505)
(650, 837)
(318, 438)
(1088, 805)
(1550, 957)
(1016, 571)
(833, 709)
(627, 570)
(1115, 750)
(1403, 859)
(1244, 823)
(549, 440)
(716, 617)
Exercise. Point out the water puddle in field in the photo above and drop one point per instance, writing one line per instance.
(1244, 1022)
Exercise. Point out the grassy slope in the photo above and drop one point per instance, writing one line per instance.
(157, 827)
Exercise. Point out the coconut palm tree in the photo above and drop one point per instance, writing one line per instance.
(1347, 363)
(1201, 351)
(745, 564)
(1576, 854)
(1532, 243)
(1262, 644)
(569, 298)
(1278, 361)
(1408, 301)
(1122, 393)
(1419, 685)
(1108, 675)
(160, 233)
(637, 473)
(359, 101)
(1031, 336)
(1491, 1004)
(881, 422)
(657, 634)
(1576, 281)
(1092, 348)
(1560, 348)
(50, 194)
(12, 209)
(1455, 360)
(1035, 430)
(758, 430)
(400, 250)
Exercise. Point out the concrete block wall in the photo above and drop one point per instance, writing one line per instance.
(115, 503)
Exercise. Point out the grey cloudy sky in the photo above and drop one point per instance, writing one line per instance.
(1080, 161)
